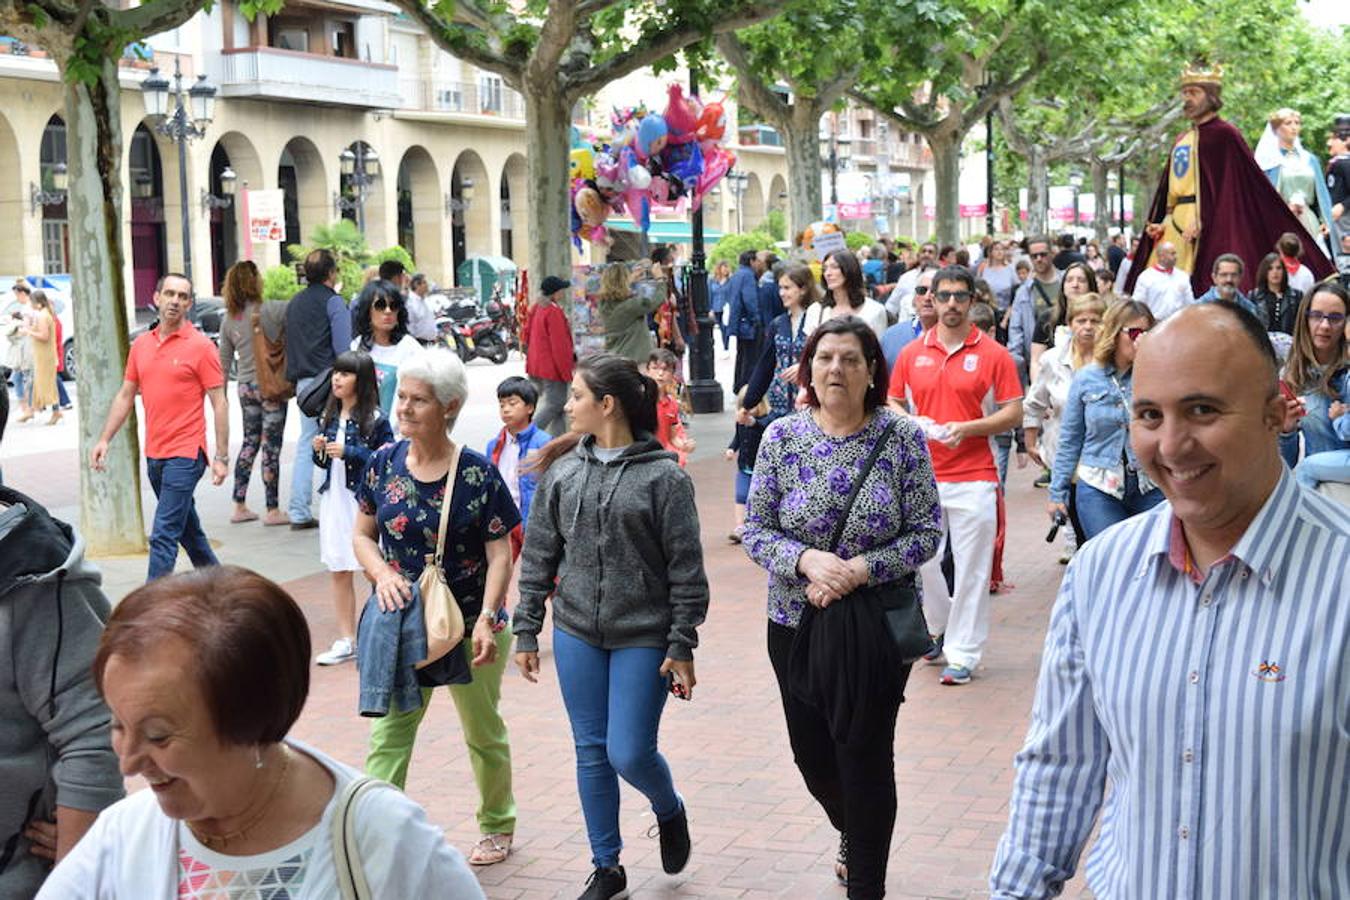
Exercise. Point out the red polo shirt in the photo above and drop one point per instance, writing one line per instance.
(968, 383)
(174, 375)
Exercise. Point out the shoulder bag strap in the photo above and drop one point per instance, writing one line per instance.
(351, 875)
(862, 476)
(445, 504)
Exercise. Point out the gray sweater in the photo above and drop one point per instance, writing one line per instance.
(622, 540)
(54, 744)
(236, 337)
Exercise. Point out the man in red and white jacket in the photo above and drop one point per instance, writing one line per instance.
(549, 354)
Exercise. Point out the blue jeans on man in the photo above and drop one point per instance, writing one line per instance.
(174, 480)
(302, 473)
(614, 700)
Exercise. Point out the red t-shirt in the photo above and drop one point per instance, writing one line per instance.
(957, 387)
(174, 376)
(668, 426)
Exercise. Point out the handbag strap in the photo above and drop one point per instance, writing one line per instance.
(445, 505)
(862, 476)
(351, 875)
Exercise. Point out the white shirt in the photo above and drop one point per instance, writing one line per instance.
(872, 312)
(900, 302)
(131, 852)
(509, 465)
(421, 321)
(1302, 279)
(1164, 292)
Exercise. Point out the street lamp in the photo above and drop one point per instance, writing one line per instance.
(737, 182)
(461, 203)
(834, 154)
(227, 187)
(361, 167)
(179, 126)
(56, 196)
(705, 394)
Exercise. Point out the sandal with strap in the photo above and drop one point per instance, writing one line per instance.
(490, 850)
(841, 861)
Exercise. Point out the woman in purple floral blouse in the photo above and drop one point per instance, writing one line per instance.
(805, 471)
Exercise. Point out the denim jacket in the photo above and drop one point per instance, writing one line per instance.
(356, 451)
(1095, 427)
(388, 645)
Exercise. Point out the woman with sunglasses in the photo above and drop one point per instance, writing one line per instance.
(1094, 434)
(381, 320)
(1317, 369)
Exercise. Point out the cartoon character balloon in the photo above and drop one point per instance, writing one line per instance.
(581, 164)
(712, 124)
(652, 136)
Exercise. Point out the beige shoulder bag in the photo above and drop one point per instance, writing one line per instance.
(440, 610)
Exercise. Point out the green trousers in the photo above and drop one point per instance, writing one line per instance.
(392, 737)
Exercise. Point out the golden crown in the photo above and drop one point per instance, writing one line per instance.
(1200, 73)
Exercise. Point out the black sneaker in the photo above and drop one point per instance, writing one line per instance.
(606, 884)
(1042, 480)
(674, 842)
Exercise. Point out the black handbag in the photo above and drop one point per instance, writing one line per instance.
(314, 397)
(898, 600)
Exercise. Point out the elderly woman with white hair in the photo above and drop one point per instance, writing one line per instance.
(400, 502)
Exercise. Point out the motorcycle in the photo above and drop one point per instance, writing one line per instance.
(479, 338)
(503, 318)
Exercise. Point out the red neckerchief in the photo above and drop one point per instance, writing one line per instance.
(1291, 266)
(501, 443)
(1162, 270)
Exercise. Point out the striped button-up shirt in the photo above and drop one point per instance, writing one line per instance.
(1218, 710)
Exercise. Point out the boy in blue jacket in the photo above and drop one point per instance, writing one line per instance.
(519, 437)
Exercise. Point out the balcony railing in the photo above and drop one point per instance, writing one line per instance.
(490, 98)
(273, 73)
(759, 135)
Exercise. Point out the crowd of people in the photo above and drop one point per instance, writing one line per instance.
(880, 399)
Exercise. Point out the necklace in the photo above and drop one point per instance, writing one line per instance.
(216, 841)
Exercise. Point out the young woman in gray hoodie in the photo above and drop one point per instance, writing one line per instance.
(613, 535)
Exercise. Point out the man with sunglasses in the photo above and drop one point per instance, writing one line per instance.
(906, 330)
(1033, 307)
(944, 379)
(899, 305)
(318, 328)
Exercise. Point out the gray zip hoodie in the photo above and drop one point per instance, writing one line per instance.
(622, 540)
(54, 743)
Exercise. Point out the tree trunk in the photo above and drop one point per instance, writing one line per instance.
(547, 144)
(110, 501)
(946, 147)
(803, 166)
(1101, 219)
(1038, 190)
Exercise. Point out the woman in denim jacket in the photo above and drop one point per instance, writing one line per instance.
(1094, 435)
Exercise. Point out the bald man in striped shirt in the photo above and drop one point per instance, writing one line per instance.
(1198, 658)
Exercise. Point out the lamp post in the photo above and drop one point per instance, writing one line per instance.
(37, 197)
(1076, 182)
(361, 167)
(834, 153)
(1120, 181)
(180, 126)
(461, 203)
(737, 182)
(227, 187)
(705, 394)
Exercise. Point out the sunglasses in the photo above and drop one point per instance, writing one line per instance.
(1333, 319)
(947, 296)
(1038, 255)
(383, 305)
(1133, 333)
(921, 290)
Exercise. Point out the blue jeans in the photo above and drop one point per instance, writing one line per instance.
(1333, 465)
(614, 700)
(302, 473)
(174, 480)
(1098, 511)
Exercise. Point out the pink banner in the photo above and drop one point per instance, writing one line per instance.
(855, 210)
(972, 210)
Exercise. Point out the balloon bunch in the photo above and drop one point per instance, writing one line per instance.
(668, 158)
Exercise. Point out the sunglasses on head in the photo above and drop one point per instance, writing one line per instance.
(383, 305)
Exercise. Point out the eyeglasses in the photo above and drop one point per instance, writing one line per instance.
(921, 290)
(1333, 319)
(1134, 333)
(383, 305)
(946, 296)
(1041, 255)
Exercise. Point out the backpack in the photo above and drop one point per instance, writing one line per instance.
(269, 359)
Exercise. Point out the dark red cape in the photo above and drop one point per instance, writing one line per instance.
(1246, 217)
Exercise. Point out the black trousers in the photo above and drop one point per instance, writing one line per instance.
(855, 785)
(747, 355)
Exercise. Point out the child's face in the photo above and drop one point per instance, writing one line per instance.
(344, 385)
(661, 373)
(515, 413)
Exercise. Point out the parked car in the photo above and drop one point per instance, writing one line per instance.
(57, 289)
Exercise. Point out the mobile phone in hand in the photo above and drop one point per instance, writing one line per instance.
(676, 689)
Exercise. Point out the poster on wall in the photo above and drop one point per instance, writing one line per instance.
(266, 215)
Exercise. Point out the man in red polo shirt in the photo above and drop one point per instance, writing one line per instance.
(963, 387)
(174, 366)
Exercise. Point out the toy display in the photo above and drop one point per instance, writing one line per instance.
(671, 158)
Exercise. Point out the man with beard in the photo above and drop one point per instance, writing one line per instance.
(1213, 197)
(944, 378)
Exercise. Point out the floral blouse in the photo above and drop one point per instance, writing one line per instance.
(408, 514)
(802, 478)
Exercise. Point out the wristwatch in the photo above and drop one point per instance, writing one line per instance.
(222, 457)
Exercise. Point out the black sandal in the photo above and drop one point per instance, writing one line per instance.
(841, 861)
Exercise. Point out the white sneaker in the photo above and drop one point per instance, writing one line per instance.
(342, 651)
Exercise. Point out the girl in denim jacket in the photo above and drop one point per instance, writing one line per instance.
(1094, 434)
(352, 427)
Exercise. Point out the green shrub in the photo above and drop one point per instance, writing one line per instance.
(731, 246)
(280, 283)
(856, 240)
(776, 224)
(395, 252)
